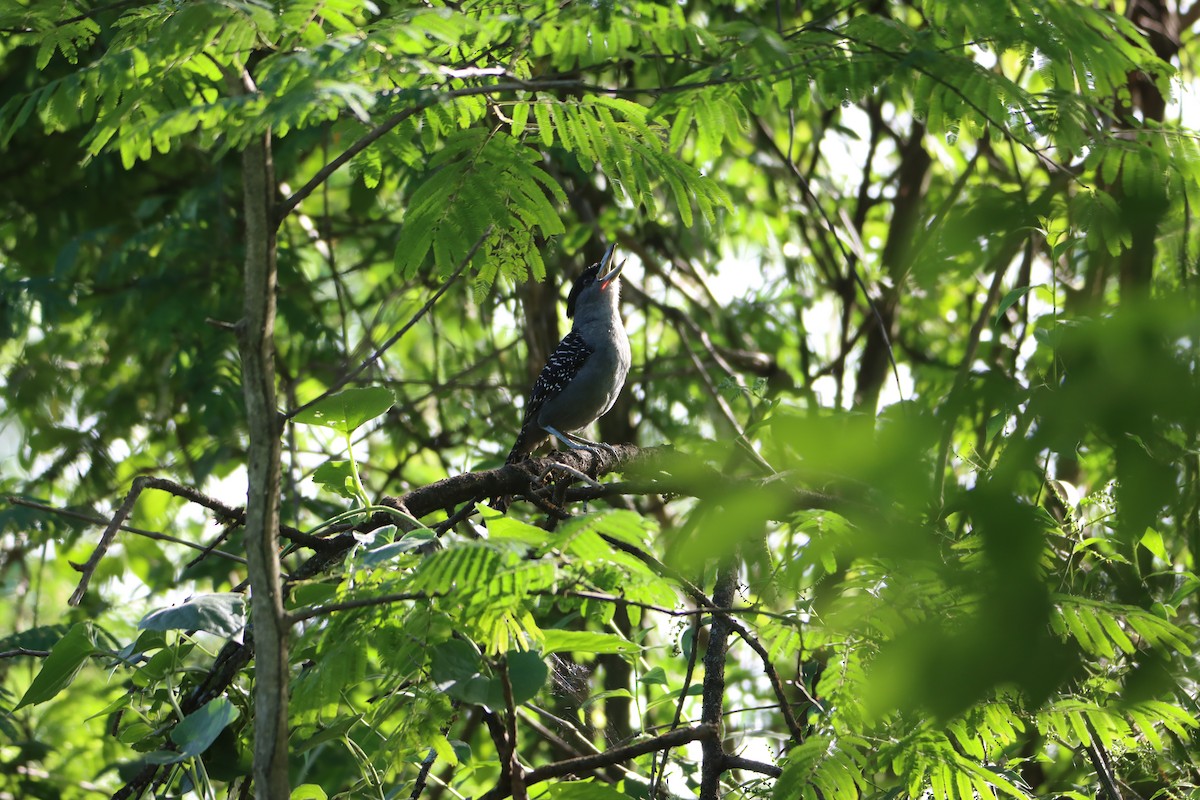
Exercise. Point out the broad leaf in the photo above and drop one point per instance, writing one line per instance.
(223, 614)
(62, 665)
(198, 730)
(560, 641)
(336, 477)
(346, 411)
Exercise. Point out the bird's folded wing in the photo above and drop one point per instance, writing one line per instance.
(562, 366)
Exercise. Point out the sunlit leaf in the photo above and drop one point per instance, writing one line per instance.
(347, 410)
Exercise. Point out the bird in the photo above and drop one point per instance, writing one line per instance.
(585, 373)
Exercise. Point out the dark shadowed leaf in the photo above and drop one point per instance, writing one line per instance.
(223, 614)
(61, 666)
(198, 730)
(527, 673)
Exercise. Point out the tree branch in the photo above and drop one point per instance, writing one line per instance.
(616, 755)
(155, 535)
(23, 651)
(750, 765)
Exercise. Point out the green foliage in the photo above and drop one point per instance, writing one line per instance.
(478, 183)
(196, 732)
(63, 663)
(222, 614)
(984, 585)
(346, 411)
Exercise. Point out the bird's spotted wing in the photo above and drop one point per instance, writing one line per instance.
(561, 368)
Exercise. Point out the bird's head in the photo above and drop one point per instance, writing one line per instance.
(599, 279)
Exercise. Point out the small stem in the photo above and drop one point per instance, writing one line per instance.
(358, 486)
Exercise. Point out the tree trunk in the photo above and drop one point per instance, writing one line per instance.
(912, 181)
(256, 335)
(1144, 213)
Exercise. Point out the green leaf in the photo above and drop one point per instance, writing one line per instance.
(445, 751)
(520, 117)
(389, 551)
(541, 110)
(333, 733)
(346, 411)
(654, 676)
(223, 614)
(994, 425)
(467, 565)
(560, 641)
(583, 790)
(200, 728)
(336, 477)
(308, 791)
(1008, 301)
(527, 673)
(1152, 540)
(66, 658)
(457, 669)
(514, 530)
(197, 731)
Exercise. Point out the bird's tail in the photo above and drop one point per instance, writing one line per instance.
(527, 440)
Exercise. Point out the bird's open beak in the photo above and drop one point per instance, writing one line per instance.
(609, 273)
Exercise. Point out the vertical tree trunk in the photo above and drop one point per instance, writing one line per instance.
(713, 697)
(256, 335)
(1144, 213)
(912, 182)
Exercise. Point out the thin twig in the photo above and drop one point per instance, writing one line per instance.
(656, 777)
(785, 706)
(157, 536)
(1102, 763)
(423, 774)
(687, 329)
(700, 598)
(960, 380)
(301, 614)
(106, 540)
(23, 651)
(464, 511)
(726, 411)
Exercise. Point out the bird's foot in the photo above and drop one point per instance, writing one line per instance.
(583, 476)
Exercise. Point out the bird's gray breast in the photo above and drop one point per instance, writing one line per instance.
(595, 388)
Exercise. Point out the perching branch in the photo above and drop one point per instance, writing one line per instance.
(654, 470)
